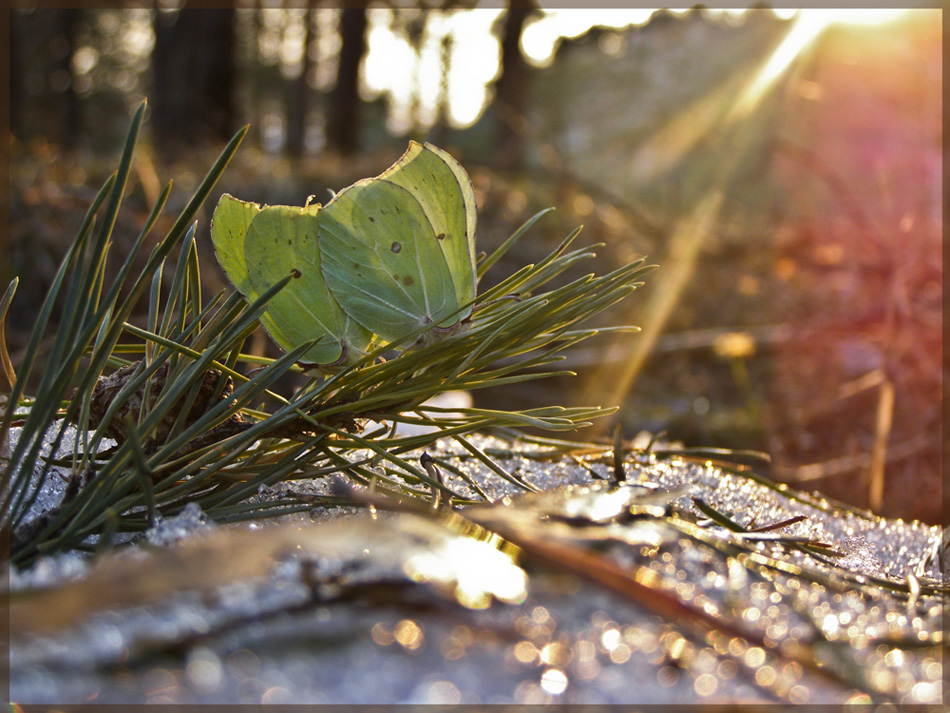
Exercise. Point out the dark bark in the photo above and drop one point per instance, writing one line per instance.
(67, 103)
(297, 102)
(193, 76)
(343, 122)
(511, 89)
(42, 98)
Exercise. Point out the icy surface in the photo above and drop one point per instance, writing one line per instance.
(190, 520)
(48, 571)
(46, 492)
(51, 488)
(342, 606)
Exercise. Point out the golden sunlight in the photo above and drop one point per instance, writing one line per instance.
(411, 77)
(821, 18)
(678, 137)
(808, 26)
(475, 569)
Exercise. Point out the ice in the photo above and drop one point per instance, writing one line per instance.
(47, 571)
(366, 592)
(190, 520)
(51, 490)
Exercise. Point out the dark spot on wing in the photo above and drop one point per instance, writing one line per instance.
(440, 236)
(395, 247)
(296, 273)
(408, 281)
(372, 219)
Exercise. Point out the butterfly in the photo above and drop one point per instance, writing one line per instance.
(386, 257)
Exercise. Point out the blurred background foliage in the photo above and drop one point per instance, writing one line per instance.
(784, 172)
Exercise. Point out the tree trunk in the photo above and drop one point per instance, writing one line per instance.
(343, 125)
(511, 89)
(43, 101)
(297, 102)
(193, 76)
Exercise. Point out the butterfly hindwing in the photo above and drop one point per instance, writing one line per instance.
(275, 242)
(232, 218)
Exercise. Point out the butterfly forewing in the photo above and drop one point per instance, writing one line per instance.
(382, 260)
(445, 192)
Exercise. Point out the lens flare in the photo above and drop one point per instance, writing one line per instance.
(808, 26)
(681, 134)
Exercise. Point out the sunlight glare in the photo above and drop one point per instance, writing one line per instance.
(412, 80)
(867, 17)
(540, 38)
(388, 68)
(475, 569)
(806, 28)
(474, 65)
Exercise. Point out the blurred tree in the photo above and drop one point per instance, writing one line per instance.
(193, 75)
(439, 131)
(43, 101)
(511, 88)
(343, 121)
(297, 100)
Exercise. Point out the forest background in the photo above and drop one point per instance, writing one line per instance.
(784, 174)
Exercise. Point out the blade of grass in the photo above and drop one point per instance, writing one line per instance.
(5, 361)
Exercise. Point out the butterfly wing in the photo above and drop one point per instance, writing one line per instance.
(232, 218)
(383, 262)
(444, 190)
(386, 256)
(258, 247)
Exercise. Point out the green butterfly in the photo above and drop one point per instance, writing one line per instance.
(385, 257)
